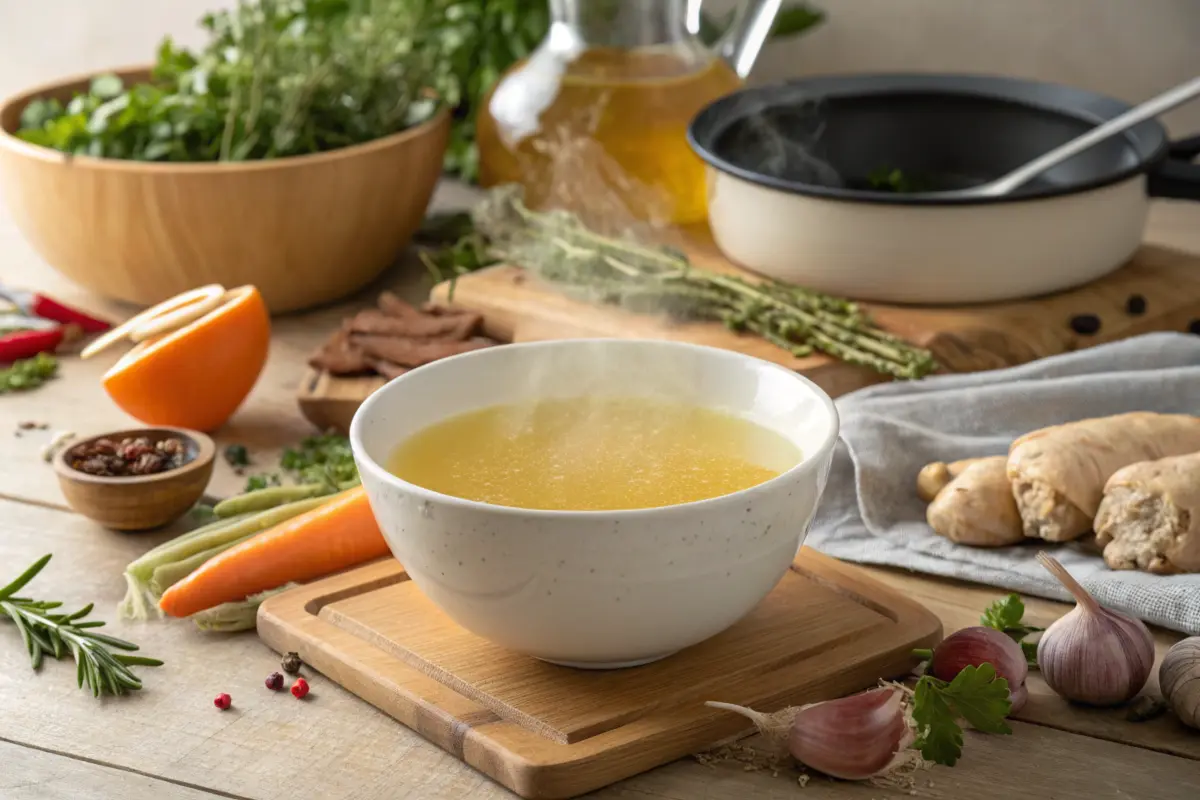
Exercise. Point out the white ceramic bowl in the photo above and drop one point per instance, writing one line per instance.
(597, 589)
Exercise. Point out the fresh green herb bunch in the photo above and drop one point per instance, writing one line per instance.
(28, 373)
(324, 459)
(276, 78)
(558, 248)
(290, 77)
(102, 662)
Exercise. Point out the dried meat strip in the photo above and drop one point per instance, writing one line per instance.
(415, 352)
(423, 326)
(340, 356)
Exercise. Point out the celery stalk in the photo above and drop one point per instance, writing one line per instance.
(167, 575)
(236, 616)
(141, 602)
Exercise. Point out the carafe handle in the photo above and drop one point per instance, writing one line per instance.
(742, 43)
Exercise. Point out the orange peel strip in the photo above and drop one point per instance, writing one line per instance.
(180, 310)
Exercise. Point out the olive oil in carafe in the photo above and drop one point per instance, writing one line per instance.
(605, 134)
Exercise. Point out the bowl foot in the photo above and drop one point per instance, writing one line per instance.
(637, 662)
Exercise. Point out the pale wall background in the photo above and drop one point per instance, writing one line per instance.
(1128, 48)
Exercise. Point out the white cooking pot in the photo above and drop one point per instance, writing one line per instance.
(831, 183)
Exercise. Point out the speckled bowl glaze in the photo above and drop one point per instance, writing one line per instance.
(597, 589)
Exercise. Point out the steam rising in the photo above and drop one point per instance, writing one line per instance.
(781, 139)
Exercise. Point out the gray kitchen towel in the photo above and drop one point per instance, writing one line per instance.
(870, 512)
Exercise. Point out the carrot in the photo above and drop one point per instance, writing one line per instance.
(335, 535)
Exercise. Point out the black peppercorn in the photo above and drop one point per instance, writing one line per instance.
(1085, 324)
(291, 663)
(1194, 326)
(1135, 306)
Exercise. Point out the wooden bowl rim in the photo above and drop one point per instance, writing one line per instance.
(9, 141)
(206, 451)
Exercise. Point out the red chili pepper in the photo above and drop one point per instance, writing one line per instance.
(44, 307)
(26, 344)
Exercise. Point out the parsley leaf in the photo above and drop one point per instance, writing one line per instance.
(976, 694)
(981, 698)
(940, 739)
(1006, 615)
(318, 459)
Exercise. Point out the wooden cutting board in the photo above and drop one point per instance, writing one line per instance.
(518, 308)
(546, 731)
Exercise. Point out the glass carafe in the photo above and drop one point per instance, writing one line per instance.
(595, 120)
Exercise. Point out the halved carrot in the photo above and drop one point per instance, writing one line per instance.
(333, 536)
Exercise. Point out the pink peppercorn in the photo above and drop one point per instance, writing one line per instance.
(300, 688)
(223, 701)
(274, 681)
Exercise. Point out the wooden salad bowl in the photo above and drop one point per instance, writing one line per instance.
(306, 230)
(141, 502)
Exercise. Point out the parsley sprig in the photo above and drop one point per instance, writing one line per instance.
(28, 373)
(976, 695)
(323, 459)
(1007, 615)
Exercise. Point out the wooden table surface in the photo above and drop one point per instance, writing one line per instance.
(168, 742)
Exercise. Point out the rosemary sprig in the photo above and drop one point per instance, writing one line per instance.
(56, 634)
(557, 247)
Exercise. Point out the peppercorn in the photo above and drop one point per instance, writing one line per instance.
(299, 688)
(223, 701)
(1135, 306)
(274, 681)
(1194, 326)
(291, 663)
(1085, 324)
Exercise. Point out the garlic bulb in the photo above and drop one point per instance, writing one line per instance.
(1179, 679)
(970, 647)
(854, 738)
(1017, 698)
(1093, 655)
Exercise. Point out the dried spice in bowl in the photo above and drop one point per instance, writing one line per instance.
(128, 457)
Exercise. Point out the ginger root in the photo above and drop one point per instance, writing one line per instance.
(976, 505)
(933, 477)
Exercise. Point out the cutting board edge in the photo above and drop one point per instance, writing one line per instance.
(573, 770)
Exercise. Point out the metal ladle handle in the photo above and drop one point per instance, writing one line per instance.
(1134, 116)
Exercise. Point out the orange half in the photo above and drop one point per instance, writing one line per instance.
(197, 375)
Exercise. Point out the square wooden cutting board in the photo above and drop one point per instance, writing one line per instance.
(546, 731)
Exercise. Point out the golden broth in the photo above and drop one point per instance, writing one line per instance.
(592, 454)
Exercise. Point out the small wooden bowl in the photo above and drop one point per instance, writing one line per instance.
(143, 501)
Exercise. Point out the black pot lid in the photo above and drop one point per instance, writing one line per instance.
(822, 137)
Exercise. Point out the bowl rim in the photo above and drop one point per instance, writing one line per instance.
(205, 455)
(9, 141)
(808, 462)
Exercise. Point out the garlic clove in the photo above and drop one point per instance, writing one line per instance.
(1093, 655)
(1179, 679)
(855, 737)
(977, 645)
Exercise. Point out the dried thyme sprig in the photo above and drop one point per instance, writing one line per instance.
(45, 633)
(561, 250)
